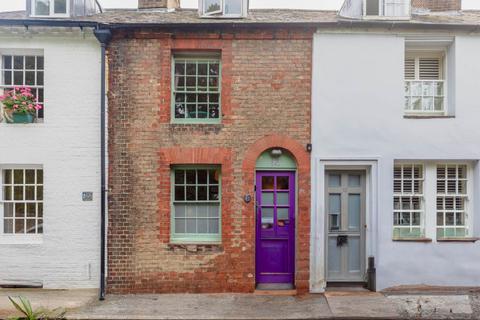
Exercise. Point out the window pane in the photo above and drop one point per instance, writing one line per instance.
(282, 183)
(202, 225)
(191, 225)
(30, 63)
(213, 176)
(283, 198)
(7, 62)
(31, 212)
(233, 6)
(334, 180)
(29, 193)
(30, 176)
(31, 228)
(60, 6)
(17, 193)
(179, 211)
(267, 198)
(42, 7)
(8, 210)
(40, 62)
(202, 211)
(18, 176)
(191, 177)
(39, 193)
(180, 193)
(202, 193)
(19, 210)
(180, 225)
(213, 195)
(18, 62)
(8, 226)
(213, 226)
(39, 176)
(191, 193)
(179, 177)
(7, 193)
(202, 176)
(19, 226)
(212, 6)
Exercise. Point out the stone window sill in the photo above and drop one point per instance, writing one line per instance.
(425, 240)
(458, 240)
(212, 247)
(427, 117)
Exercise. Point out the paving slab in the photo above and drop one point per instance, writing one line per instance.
(434, 306)
(49, 299)
(361, 305)
(205, 307)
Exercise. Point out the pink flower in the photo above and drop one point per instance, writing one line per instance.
(15, 106)
(38, 107)
(14, 97)
(30, 106)
(24, 103)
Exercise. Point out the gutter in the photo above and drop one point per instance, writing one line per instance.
(103, 36)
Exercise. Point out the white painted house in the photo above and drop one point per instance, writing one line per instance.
(50, 170)
(396, 145)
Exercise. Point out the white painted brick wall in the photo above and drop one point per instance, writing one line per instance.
(67, 145)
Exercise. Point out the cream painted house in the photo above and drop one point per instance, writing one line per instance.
(396, 145)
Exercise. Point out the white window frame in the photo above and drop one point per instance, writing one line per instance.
(411, 195)
(430, 196)
(19, 238)
(381, 13)
(427, 54)
(52, 10)
(24, 53)
(464, 196)
(221, 13)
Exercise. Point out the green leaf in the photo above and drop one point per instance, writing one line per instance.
(17, 306)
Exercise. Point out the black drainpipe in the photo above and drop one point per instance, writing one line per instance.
(103, 36)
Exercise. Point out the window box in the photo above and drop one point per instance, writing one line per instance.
(25, 70)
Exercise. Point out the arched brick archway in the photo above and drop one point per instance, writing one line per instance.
(302, 157)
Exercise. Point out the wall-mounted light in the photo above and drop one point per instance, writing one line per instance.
(276, 153)
(309, 147)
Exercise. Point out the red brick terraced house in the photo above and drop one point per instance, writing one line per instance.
(209, 140)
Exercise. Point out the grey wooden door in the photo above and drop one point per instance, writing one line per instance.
(345, 208)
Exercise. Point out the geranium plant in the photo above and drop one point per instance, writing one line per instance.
(20, 100)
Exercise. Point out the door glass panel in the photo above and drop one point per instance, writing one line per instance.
(354, 180)
(268, 183)
(334, 255)
(354, 211)
(283, 198)
(334, 205)
(267, 198)
(334, 180)
(282, 183)
(267, 218)
(282, 217)
(353, 254)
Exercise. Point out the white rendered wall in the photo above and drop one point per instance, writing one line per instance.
(67, 146)
(357, 114)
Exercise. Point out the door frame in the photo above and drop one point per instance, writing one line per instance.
(317, 253)
(294, 172)
(363, 218)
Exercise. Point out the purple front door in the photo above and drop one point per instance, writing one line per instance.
(275, 227)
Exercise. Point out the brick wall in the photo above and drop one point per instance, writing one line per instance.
(438, 5)
(266, 79)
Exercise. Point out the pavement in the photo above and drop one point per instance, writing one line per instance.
(84, 305)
